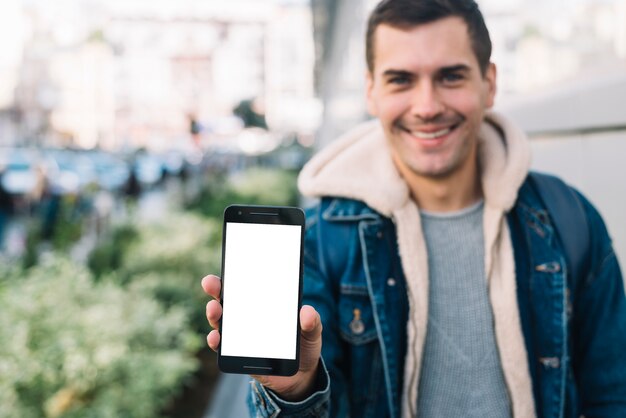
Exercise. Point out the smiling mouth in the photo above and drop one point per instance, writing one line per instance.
(431, 135)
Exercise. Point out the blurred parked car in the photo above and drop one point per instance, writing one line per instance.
(69, 172)
(173, 162)
(24, 177)
(149, 168)
(112, 172)
(20, 166)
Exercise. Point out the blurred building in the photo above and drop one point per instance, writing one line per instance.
(132, 74)
(34, 91)
(12, 22)
(83, 114)
(290, 102)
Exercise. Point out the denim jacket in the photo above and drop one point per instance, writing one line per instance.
(575, 332)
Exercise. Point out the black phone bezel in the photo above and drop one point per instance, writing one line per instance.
(272, 215)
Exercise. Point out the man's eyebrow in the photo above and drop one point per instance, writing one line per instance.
(455, 68)
(396, 73)
(448, 69)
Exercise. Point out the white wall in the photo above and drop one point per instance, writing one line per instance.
(596, 165)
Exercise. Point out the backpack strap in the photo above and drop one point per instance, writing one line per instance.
(568, 217)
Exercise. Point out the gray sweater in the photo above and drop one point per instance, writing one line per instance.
(461, 372)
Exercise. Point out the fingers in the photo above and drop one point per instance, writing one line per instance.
(214, 313)
(213, 339)
(310, 340)
(310, 323)
(212, 285)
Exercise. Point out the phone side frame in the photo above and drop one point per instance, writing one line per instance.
(277, 215)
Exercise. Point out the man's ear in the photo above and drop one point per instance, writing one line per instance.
(372, 109)
(490, 85)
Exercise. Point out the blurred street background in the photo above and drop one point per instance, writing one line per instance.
(127, 126)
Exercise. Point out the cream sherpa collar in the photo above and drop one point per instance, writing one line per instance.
(359, 166)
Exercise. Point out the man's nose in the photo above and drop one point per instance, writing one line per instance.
(425, 101)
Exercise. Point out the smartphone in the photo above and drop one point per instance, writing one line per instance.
(262, 267)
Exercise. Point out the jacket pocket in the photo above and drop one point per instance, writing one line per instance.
(356, 320)
(363, 364)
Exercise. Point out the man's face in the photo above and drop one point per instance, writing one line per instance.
(430, 95)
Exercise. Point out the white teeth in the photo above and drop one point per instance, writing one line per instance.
(430, 135)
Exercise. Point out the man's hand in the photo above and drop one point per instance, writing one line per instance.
(291, 388)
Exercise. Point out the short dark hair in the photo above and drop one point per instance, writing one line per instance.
(407, 13)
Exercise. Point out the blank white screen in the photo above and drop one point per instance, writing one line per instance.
(261, 278)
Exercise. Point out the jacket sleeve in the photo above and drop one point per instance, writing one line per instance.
(263, 403)
(329, 398)
(599, 328)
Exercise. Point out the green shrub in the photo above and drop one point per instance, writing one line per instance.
(256, 186)
(72, 347)
(264, 186)
(164, 260)
(59, 222)
(184, 244)
(108, 256)
(69, 225)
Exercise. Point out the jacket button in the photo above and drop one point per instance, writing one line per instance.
(356, 325)
(551, 267)
(391, 281)
(379, 234)
(551, 362)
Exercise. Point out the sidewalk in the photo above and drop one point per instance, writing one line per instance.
(229, 398)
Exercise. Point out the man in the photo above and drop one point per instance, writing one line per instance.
(431, 260)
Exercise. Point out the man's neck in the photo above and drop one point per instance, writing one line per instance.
(447, 193)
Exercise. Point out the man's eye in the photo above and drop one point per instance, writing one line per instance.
(451, 78)
(399, 80)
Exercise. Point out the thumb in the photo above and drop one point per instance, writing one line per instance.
(310, 323)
